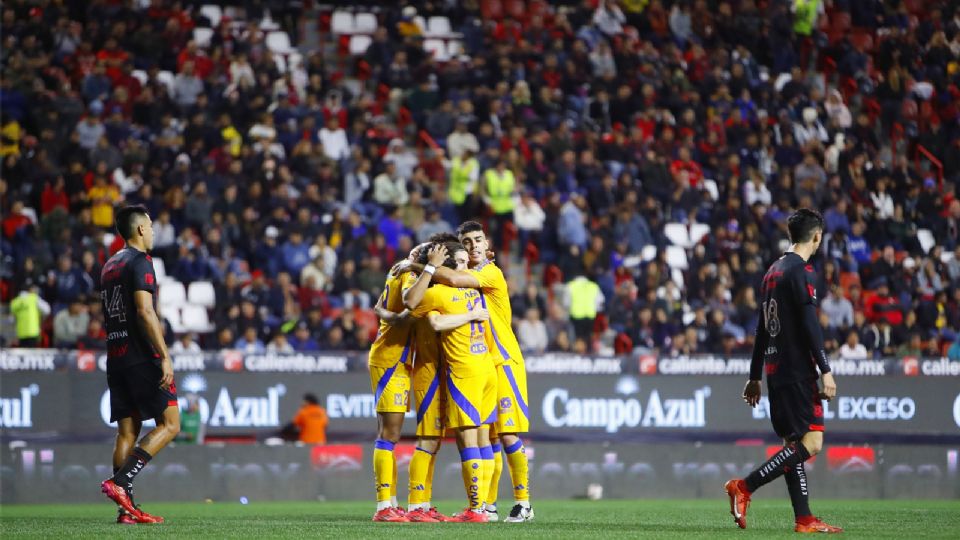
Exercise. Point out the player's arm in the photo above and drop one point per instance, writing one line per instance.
(150, 324)
(414, 295)
(391, 318)
(451, 277)
(805, 295)
(442, 323)
(751, 392)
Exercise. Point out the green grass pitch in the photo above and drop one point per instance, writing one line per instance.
(555, 519)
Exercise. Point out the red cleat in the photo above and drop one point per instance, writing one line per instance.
(814, 525)
(118, 495)
(390, 515)
(420, 516)
(469, 516)
(144, 517)
(435, 514)
(739, 501)
(124, 518)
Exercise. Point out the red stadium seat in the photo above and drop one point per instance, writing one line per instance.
(516, 9)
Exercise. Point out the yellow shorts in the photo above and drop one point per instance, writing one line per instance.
(472, 401)
(391, 388)
(428, 393)
(513, 415)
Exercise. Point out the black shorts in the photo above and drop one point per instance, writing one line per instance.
(136, 390)
(795, 409)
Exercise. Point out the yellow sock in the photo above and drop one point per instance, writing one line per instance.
(486, 455)
(393, 486)
(428, 493)
(419, 472)
(519, 473)
(471, 469)
(493, 491)
(383, 469)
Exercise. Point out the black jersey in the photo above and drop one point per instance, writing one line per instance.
(128, 271)
(789, 340)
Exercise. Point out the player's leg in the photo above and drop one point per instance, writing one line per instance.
(513, 420)
(128, 429)
(804, 520)
(486, 464)
(389, 425)
(391, 388)
(471, 471)
(423, 456)
(493, 491)
(796, 479)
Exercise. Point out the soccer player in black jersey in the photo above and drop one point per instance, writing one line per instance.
(789, 348)
(139, 368)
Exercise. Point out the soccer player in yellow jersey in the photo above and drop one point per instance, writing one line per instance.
(513, 416)
(470, 375)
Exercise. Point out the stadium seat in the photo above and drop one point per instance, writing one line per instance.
(365, 23)
(422, 23)
(491, 9)
(926, 239)
(213, 13)
(677, 257)
(677, 234)
(359, 43)
(515, 8)
(141, 76)
(160, 269)
(172, 315)
(202, 293)
(710, 186)
(649, 252)
(454, 48)
(202, 36)
(437, 48)
(195, 319)
(281, 62)
(698, 231)
(677, 276)
(267, 24)
(342, 22)
(172, 294)
(166, 78)
(438, 26)
(279, 42)
(848, 279)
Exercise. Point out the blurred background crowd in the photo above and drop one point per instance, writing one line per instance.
(633, 161)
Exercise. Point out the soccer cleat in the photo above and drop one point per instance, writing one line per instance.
(420, 516)
(118, 495)
(435, 514)
(125, 518)
(814, 525)
(739, 501)
(143, 517)
(492, 515)
(519, 514)
(469, 516)
(390, 515)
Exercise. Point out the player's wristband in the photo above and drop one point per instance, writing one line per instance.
(430, 269)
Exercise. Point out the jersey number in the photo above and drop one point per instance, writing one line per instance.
(115, 307)
(771, 318)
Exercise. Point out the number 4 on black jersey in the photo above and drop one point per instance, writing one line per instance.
(128, 271)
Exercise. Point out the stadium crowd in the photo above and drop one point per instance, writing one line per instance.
(594, 139)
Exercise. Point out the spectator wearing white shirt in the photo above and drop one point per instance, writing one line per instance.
(404, 160)
(852, 349)
(532, 332)
(186, 344)
(461, 140)
(334, 140)
(389, 187)
(882, 201)
(756, 191)
(608, 18)
(528, 216)
(838, 309)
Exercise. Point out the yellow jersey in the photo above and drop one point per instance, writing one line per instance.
(465, 348)
(393, 342)
(496, 299)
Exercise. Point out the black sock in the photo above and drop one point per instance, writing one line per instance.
(784, 460)
(797, 486)
(135, 463)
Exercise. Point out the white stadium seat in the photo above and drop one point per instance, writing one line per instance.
(166, 78)
(202, 293)
(359, 43)
(422, 23)
(436, 48)
(202, 36)
(172, 315)
(698, 231)
(141, 76)
(279, 42)
(677, 257)
(365, 23)
(172, 294)
(160, 269)
(212, 12)
(454, 48)
(342, 22)
(649, 252)
(438, 26)
(195, 319)
(677, 234)
(926, 239)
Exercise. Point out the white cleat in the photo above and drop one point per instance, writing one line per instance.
(519, 514)
(492, 515)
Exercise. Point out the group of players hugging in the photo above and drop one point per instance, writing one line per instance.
(446, 337)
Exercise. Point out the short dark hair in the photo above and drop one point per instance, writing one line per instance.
(452, 247)
(442, 237)
(126, 220)
(803, 224)
(311, 399)
(468, 227)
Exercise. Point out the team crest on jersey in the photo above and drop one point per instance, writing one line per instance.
(505, 404)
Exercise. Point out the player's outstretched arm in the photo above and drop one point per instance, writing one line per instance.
(442, 323)
(451, 277)
(150, 323)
